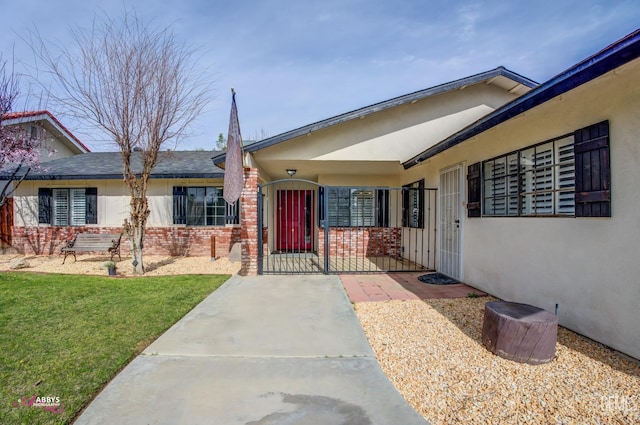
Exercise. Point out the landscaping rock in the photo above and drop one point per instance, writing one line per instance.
(236, 253)
(18, 263)
(155, 265)
(432, 352)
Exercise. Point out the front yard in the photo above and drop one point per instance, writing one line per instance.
(65, 336)
(432, 352)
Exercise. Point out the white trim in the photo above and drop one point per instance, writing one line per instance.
(459, 274)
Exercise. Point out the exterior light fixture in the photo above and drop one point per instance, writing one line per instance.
(291, 172)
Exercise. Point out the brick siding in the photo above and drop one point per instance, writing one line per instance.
(249, 222)
(362, 241)
(173, 240)
(193, 241)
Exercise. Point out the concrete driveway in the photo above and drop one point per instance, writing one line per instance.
(260, 350)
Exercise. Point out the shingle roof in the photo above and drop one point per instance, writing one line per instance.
(108, 165)
(518, 81)
(615, 55)
(31, 116)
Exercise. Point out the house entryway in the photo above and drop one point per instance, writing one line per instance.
(450, 233)
(308, 228)
(295, 210)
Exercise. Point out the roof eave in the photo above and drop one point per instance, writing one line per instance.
(611, 57)
(50, 177)
(53, 122)
(380, 106)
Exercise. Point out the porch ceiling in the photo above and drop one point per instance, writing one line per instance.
(310, 169)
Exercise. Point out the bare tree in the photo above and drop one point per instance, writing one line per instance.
(19, 152)
(136, 83)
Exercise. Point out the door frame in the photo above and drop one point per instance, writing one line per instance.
(308, 219)
(460, 167)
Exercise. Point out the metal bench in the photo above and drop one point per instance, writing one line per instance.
(93, 242)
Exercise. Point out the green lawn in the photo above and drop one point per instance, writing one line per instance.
(66, 336)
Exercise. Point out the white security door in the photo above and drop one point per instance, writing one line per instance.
(450, 232)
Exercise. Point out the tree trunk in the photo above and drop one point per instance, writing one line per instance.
(519, 332)
(135, 237)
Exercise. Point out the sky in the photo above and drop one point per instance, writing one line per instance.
(295, 62)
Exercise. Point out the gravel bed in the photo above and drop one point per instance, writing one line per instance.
(154, 265)
(431, 351)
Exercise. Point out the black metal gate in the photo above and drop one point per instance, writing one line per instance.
(307, 228)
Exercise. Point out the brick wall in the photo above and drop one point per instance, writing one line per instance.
(193, 241)
(249, 222)
(362, 241)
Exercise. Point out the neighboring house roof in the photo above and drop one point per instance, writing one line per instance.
(51, 123)
(613, 56)
(108, 165)
(499, 76)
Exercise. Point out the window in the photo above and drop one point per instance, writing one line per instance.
(539, 180)
(203, 206)
(567, 176)
(68, 207)
(350, 207)
(413, 205)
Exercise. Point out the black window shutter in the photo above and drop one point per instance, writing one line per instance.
(421, 204)
(44, 205)
(593, 171)
(179, 205)
(406, 193)
(321, 202)
(382, 208)
(474, 190)
(91, 195)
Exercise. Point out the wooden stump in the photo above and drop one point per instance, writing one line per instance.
(519, 332)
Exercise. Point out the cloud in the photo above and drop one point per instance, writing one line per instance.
(295, 62)
(468, 15)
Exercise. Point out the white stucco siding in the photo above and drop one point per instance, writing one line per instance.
(160, 196)
(51, 147)
(393, 144)
(588, 266)
(358, 180)
(392, 135)
(54, 149)
(113, 200)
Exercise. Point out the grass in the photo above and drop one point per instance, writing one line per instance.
(66, 336)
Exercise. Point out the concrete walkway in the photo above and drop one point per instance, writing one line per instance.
(260, 350)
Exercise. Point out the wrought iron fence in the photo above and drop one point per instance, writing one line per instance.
(304, 227)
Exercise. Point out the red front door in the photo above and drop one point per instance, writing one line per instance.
(295, 220)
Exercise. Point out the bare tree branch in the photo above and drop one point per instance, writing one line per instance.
(137, 84)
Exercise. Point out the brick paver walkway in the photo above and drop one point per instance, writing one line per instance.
(399, 286)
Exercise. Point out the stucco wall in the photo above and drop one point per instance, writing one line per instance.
(52, 148)
(377, 143)
(383, 136)
(588, 266)
(113, 199)
(162, 236)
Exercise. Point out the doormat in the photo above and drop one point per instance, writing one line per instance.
(437, 279)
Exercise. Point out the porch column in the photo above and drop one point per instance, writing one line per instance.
(249, 223)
